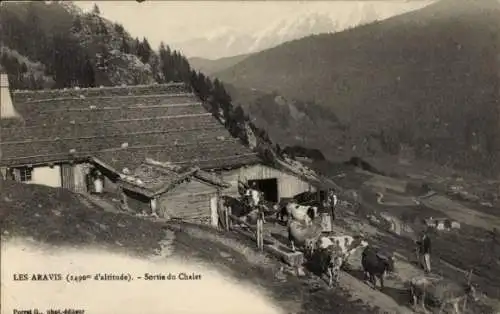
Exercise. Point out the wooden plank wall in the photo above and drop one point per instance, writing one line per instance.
(110, 186)
(189, 201)
(137, 202)
(288, 185)
(80, 175)
(67, 177)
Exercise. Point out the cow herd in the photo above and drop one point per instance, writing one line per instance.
(330, 253)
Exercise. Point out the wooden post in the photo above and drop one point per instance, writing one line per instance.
(259, 234)
(332, 214)
(4, 172)
(228, 216)
(260, 231)
(154, 206)
(124, 198)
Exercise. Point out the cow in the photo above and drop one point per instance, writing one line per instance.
(299, 212)
(329, 260)
(349, 244)
(375, 265)
(254, 197)
(238, 208)
(442, 291)
(305, 235)
(346, 244)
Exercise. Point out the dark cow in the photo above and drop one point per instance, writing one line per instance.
(376, 264)
(238, 208)
(328, 261)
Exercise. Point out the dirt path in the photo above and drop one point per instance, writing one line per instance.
(461, 213)
(396, 200)
(393, 299)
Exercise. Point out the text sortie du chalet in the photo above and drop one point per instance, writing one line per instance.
(184, 276)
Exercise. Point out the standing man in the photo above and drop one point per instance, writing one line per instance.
(425, 251)
(491, 252)
(332, 201)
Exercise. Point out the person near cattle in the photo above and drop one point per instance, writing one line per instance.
(332, 202)
(424, 248)
(492, 255)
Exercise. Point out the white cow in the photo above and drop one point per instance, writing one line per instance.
(254, 196)
(305, 235)
(346, 243)
(301, 212)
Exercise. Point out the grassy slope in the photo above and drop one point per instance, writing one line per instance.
(466, 249)
(425, 77)
(59, 217)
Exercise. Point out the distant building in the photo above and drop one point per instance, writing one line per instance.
(93, 139)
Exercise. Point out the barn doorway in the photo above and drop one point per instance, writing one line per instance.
(269, 187)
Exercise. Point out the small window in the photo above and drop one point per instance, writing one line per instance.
(25, 174)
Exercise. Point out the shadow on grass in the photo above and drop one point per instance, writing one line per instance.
(289, 291)
(401, 296)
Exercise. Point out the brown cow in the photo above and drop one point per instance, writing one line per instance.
(443, 291)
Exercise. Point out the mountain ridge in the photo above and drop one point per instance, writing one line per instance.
(404, 81)
(227, 42)
(210, 66)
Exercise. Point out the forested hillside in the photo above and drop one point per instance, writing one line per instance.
(56, 45)
(288, 121)
(209, 67)
(425, 82)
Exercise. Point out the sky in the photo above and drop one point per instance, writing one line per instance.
(174, 21)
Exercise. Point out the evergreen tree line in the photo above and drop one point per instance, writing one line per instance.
(75, 56)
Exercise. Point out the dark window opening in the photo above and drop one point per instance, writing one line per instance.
(25, 174)
(322, 196)
(269, 187)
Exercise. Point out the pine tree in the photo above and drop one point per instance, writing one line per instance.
(33, 26)
(95, 10)
(136, 46)
(124, 47)
(87, 74)
(164, 56)
(144, 51)
(119, 29)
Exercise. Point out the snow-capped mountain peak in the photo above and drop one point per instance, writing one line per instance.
(318, 18)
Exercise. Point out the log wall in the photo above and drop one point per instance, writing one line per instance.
(189, 201)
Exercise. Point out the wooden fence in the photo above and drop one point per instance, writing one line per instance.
(264, 242)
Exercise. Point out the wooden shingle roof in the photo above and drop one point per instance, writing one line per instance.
(119, 126)
(150, 179)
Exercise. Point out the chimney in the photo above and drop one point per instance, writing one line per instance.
(7, 109)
